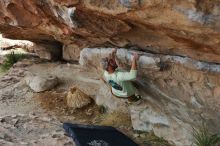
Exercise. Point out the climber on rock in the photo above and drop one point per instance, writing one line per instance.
(120, 81)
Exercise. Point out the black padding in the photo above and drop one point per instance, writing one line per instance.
(89, 135)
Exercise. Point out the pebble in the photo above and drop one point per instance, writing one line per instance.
(136, 135)
(89, 112)
(23, 143)
(13, 116)
(32, 115)
(142, 135)
(46, 119)
(121, 127)
(22, 115)
(14, 121)
(45, 135)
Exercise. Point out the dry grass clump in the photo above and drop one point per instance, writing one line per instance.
(76, 98)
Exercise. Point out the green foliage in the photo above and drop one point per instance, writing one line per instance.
(202, 137)
(11, 59)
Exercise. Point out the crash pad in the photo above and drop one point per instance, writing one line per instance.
(91, 135)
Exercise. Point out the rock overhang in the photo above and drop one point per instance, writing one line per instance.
(188, 28)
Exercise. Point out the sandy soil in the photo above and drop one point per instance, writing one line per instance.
(1, 73)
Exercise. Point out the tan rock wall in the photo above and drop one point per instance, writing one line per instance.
(186, 28)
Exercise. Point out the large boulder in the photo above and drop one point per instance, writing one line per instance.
(178, 93)
(39, 83)
(145, 118)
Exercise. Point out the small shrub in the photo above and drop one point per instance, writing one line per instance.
(11, 59)
(202, 137)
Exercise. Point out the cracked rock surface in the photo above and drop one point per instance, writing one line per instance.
(32, 129)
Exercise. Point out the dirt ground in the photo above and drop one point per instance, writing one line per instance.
(1, 73)
(16, 99)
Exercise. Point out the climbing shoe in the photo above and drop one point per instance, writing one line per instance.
(134, 99)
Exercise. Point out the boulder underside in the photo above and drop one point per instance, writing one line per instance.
(186, 28)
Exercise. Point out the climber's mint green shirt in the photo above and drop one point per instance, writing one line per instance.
(122, 80)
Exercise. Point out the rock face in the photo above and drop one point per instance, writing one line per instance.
(178, 93)
(186, 28)
(105, 98)
(48, 51)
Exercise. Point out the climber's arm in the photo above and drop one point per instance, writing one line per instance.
(126, 76)
(113, 54)
(134, 61)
